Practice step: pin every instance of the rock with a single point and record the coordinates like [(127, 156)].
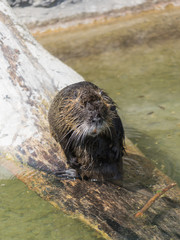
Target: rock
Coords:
[(46, 3), (39, 3), (62, 13), (20, 3)]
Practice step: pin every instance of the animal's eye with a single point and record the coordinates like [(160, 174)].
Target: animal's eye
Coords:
[(113, 108)]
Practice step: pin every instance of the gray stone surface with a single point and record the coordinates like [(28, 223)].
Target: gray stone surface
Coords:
[(40, 14), (43, 11), (50, 3), (35, 3)]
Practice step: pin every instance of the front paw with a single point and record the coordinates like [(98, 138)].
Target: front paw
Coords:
[(70, 174)]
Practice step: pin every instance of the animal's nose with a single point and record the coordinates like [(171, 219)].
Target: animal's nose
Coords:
[(97, 120)]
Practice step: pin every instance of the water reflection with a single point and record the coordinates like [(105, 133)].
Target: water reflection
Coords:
[(156, 151)]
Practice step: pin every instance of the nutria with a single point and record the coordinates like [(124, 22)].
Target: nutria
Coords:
[(84, 120)]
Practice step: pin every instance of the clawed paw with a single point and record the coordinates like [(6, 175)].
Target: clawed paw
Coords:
[(67, 174)]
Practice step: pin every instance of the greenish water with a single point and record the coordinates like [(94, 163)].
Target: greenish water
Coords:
[(24, 215), (137, 61), (145, 83)]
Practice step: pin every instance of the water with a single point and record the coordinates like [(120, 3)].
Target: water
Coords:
[(24, 215), (136, 60), (145, 83)]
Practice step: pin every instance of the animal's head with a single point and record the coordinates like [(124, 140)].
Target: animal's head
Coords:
[(89, 110)]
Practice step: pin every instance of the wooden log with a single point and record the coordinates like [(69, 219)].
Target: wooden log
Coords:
[(29, 78)]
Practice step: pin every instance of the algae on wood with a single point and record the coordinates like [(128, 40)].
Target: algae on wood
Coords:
[(30, 78)]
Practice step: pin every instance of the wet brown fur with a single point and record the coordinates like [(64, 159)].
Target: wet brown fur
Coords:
[(84, 120)]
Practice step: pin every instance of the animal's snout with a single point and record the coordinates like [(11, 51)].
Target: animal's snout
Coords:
[(97, 120)]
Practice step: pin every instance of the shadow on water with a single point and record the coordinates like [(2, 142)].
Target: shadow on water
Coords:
[(162, 159)]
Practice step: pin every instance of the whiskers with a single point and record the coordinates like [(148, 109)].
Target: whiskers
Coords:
[(77, 132), (77, 136)]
